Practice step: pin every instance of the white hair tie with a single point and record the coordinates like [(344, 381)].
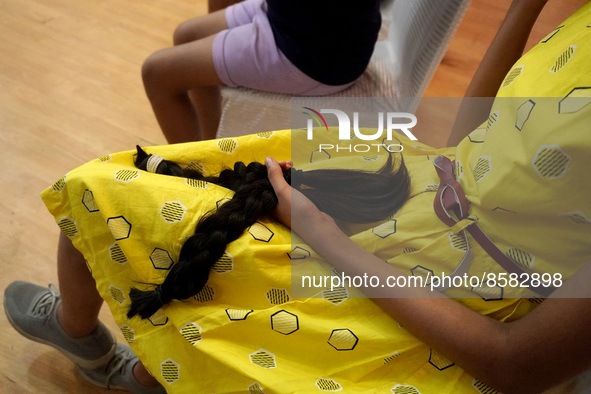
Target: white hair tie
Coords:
[(153, 163)]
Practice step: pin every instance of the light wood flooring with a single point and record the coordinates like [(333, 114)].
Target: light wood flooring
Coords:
[(71, 91)]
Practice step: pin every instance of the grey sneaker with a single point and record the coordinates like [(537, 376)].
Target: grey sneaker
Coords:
[(118, 374), (32, 311)]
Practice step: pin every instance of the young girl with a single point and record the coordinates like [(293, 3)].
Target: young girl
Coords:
[(299, 47), (524, 174)]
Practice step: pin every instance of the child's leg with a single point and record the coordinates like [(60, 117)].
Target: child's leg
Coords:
[(205, 100), (81, 302), (69, 323), (200, 27), (181, 83), (169, 75)]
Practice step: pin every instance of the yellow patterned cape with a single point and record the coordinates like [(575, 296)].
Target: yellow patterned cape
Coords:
[(525, 172)]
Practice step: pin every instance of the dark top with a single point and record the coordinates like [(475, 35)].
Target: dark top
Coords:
[(331, 41)]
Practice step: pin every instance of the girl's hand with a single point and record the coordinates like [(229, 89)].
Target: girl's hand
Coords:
[(292, 203), (282, 189)]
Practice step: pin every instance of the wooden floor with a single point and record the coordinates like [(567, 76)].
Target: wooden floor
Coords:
[(70, 91)]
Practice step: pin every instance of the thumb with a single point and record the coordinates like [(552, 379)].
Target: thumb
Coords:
[(275, 174), (282, 191)]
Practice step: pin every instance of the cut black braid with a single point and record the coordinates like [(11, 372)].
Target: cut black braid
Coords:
[(354, 196)]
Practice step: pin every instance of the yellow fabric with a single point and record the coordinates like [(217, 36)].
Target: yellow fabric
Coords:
[(246, 332)]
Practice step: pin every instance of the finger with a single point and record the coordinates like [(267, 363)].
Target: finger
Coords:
[(275, 173), (282, 190), (285, 165)]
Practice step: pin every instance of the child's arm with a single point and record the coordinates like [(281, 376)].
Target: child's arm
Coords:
[(544, 348), (506, 48)]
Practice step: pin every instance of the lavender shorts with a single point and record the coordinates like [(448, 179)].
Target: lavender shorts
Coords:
[(246, 55)]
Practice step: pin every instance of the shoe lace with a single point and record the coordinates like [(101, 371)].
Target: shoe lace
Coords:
[(117, 365), (45, 304)]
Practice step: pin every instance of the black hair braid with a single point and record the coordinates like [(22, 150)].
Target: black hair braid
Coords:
[(253, 199), (228, 178), (354, 196)]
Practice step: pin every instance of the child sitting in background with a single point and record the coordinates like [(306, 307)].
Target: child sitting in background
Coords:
[(302, 47)]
